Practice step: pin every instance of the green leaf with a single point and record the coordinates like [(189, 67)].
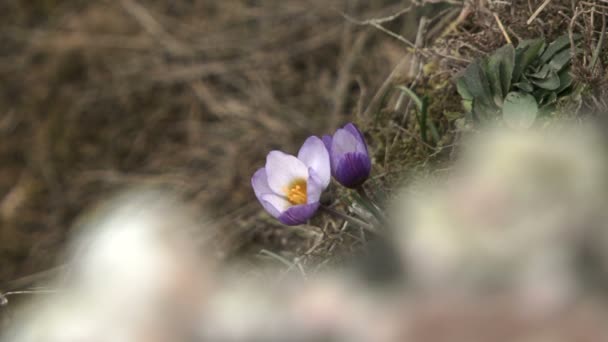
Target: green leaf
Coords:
[(525, 86), (541, 73), (467, 105), (482, 112), (527, 51), (560, 60), (551, 82), (499, 70), (492, 70), (539, 93), (506, 68), (519, 110), (462, 90), (556, 46), (467, 98), (413, 96), (477, 84), (422, 114), (422, 118), (565, 80), (548, 99)]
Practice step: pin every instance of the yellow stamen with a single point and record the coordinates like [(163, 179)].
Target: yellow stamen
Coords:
[(296, 192)]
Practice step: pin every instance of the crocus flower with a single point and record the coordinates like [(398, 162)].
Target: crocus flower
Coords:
[(290, 187), (350, 163)]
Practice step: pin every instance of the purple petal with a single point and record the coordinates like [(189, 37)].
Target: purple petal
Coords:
[(327, 141), (298, 214), (357, 133), (344, 142), (314, 155), (352, 169), (282, 170)]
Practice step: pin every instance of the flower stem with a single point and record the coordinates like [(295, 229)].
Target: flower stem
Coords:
[(371, 206), (350, 219)]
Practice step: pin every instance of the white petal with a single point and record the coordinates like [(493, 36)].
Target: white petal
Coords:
[(282, 170), (259, 182), (314, 187), (314, 154), (278, 202)]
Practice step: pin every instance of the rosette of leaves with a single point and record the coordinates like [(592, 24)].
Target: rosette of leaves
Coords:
[(517, 83)]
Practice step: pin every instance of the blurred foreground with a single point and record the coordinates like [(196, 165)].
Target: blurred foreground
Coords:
[(511, 246)]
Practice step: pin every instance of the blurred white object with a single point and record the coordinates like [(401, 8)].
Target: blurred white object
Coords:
[(134, 273), (140, 250), (510, 216)]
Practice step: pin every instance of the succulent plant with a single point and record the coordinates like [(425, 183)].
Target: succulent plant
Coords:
[(518, 83)]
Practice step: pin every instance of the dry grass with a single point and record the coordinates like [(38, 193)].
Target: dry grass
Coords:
[(98, 96)]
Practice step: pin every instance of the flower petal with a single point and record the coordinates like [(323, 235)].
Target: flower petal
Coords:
[(274, 212), (282, 170), (314, 155), (353, 169), (278, 205), (259, 182), (357, 133), (345, 141), (314, 187), (327, 141), (299, 214)]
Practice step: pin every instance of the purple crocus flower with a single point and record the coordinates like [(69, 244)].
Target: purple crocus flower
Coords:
[(350, 163), (289, 188)]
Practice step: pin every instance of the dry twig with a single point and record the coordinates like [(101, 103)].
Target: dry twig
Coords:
[(537, 12), (502, 29)]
